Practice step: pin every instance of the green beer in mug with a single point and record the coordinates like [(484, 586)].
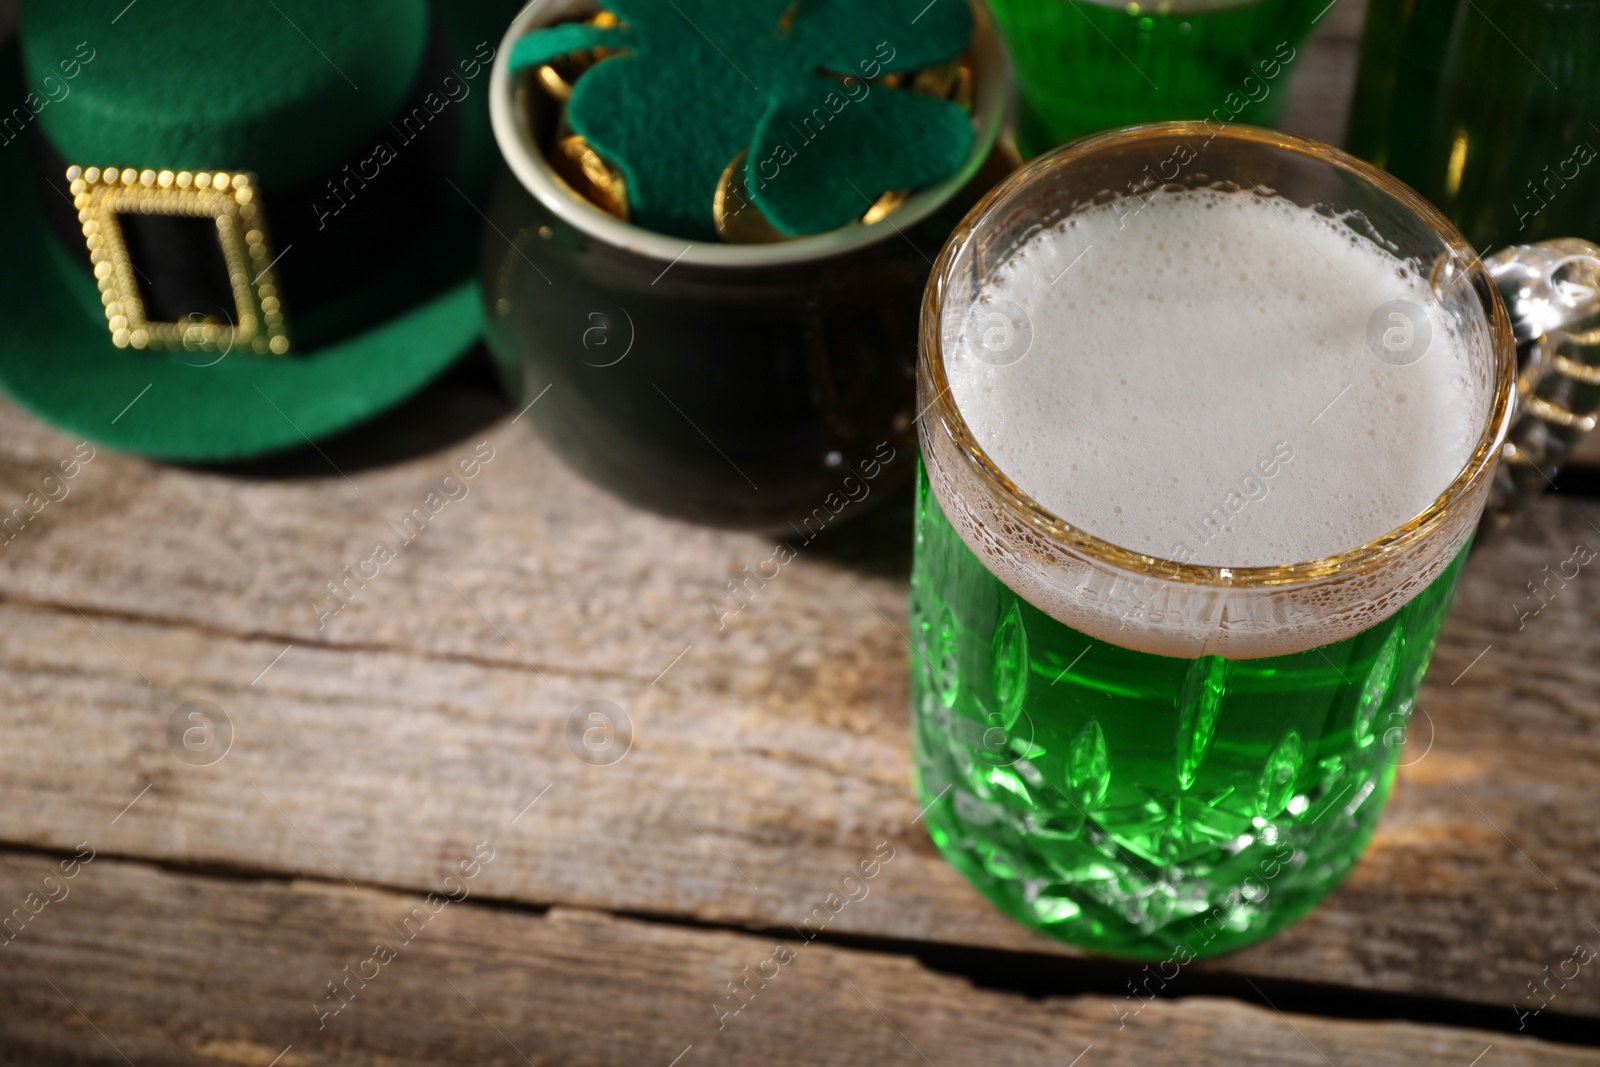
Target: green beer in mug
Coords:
[(1083, 66), (1201, 459)]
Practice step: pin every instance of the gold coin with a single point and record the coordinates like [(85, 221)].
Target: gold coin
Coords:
[(886, 203), (937, 81), (557, 76), (738, 220), (962, 93), (551, 81), (949, 81), (590, 176)]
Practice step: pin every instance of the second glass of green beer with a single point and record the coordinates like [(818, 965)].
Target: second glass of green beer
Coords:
[(1201, 457), (1083, 66)]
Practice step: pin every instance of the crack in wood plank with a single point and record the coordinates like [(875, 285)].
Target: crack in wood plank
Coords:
[(176, 969)]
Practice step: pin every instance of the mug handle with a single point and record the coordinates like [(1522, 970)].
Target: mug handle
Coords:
[(1552, 293)]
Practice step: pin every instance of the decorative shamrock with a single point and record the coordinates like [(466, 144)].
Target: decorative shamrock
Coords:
[(799, 83)]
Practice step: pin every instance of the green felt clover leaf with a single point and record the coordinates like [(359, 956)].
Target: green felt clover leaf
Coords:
[(797, 82)]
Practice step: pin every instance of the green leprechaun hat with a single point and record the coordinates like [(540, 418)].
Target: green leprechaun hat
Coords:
[(230, 229)]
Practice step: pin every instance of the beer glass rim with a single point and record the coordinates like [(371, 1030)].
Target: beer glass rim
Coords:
[(1461, 492), (991, 99)]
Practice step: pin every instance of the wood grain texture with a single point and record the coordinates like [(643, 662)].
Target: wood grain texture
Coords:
[(765, 762), (768, 756), (161, 968)]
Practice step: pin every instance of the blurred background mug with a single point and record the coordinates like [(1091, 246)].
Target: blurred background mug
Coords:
[(1084, 66), (1488, 109), (741, 385)]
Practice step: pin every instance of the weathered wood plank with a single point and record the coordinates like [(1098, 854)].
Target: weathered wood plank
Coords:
[(163, 968), (766, 761), (417, 713)]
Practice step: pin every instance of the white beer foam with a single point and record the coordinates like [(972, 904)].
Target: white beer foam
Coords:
[(1200, 386)]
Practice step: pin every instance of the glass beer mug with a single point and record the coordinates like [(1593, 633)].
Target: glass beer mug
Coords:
[(1149, 752)]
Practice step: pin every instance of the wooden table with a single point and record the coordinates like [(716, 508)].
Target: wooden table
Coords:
[(405, 772)]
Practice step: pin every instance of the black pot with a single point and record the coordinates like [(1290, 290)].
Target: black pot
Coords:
[(732, 384)]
